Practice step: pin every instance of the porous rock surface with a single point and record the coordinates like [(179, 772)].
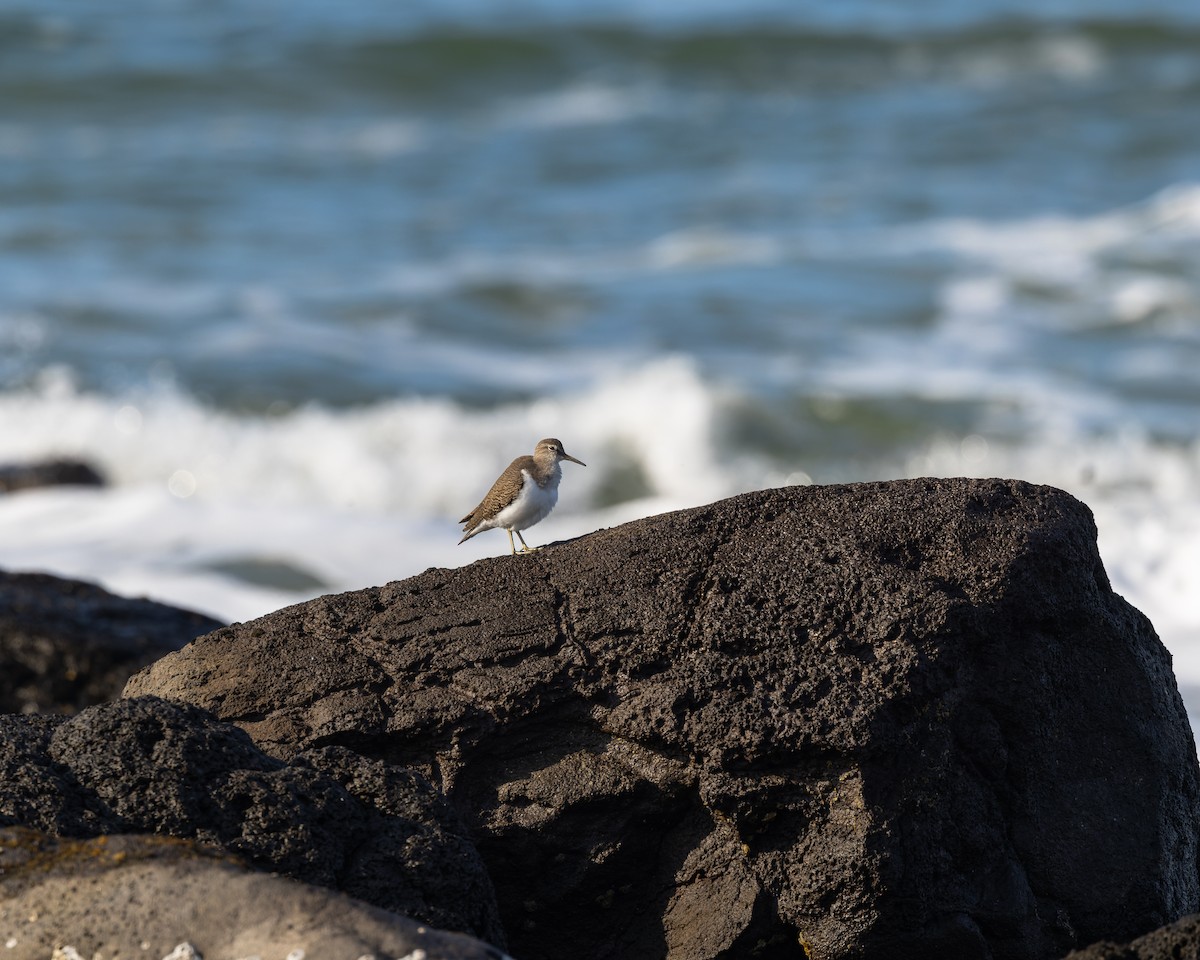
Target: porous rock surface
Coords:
[(887, 720), (328, 817), (65, 645), (1176, 941), (142, 896)]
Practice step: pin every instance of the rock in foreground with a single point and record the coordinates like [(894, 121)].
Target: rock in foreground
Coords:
[(329, 817), (65, 645), (1177, 941), (886, 720), (139, 896)]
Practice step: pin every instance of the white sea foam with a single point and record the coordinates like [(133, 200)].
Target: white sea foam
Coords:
[(702, 247), (351, 497), (371, 494), (582, 104), (1068, 57), (1041, 287), (1077, 257), (1060, 248)]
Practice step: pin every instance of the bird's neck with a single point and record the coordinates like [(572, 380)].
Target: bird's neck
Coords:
[(548, 473)]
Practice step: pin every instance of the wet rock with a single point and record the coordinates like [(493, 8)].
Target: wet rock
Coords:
[(885, 720), (369, 829), (50, 473), (65, 645), (154, 897)]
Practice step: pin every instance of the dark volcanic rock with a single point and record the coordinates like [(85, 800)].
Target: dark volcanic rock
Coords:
[(140, 896), (377, 832), (51, 473), (1178, 941), (65, 645), (886, 720)]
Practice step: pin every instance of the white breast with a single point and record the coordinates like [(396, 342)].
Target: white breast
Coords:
[(532, 504)]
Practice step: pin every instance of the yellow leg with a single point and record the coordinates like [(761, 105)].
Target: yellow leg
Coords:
[(525, 548), (511, 544)]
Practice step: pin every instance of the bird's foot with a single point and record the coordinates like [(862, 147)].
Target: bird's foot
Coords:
[(528, 549)]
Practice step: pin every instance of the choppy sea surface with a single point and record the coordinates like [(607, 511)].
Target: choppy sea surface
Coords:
[(301, 278)]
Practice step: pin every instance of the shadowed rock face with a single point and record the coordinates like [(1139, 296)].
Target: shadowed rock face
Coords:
[(891, 720), (328, 817), (65, 645)]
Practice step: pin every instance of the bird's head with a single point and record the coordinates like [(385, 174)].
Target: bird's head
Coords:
[(551, 449)]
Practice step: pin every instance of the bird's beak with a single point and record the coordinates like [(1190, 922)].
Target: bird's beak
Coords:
[(567, 456)]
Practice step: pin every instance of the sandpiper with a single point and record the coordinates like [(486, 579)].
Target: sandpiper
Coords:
[(522, 495)]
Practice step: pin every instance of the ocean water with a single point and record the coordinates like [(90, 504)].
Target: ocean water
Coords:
[(301, 278)]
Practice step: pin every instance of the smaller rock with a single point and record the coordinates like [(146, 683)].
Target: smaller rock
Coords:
[(50, 473), (1176, 941), (138, 895), (65, 644), (372, 830)]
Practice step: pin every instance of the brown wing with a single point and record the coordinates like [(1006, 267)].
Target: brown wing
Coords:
[(504, 491)]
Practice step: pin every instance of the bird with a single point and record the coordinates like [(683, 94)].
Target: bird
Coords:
[(522, 495)]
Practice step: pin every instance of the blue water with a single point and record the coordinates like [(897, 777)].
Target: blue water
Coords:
[(261, 261), (243, 191)]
